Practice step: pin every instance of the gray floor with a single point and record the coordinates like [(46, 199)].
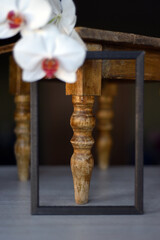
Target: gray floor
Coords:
[(114, 186)]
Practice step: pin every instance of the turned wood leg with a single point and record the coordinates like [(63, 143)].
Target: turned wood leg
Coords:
[(87, 86), (22, 131), (104, 116), (82, 122), (21, 92)]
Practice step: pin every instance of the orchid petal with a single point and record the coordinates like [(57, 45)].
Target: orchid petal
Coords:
[(65, 26), (56, 7), (35, 46), (33, 75), (69, 77), (37, 14), (69, 18), (5, 7), (48, 43), (50, 34), (76, 37), (22, 5), (6, 32), (26, 32), (71, 55), (68, 8), (29, 51)]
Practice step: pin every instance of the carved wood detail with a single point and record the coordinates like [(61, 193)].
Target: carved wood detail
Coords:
[(16, 85), (82, 122), (22, 131)]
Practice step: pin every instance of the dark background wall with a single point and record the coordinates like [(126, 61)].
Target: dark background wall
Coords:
[(128, 16), (139, 17)]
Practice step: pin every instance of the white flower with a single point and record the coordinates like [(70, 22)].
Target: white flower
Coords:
[(49, 53), (16, 15), (64, 17)]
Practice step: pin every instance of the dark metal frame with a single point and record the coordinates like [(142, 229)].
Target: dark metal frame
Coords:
[(137, 208)]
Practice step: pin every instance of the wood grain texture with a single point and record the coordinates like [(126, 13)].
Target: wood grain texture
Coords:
[(16, 85), (22, 131), (125, 69), (118, 38), (82, 123), (6, 48), (88, 77), (104, 123), (120, 69)]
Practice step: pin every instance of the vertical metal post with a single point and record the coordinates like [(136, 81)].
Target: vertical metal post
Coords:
[(139, 133), (34, 149)]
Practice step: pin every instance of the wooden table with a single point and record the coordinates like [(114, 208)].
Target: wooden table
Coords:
[(88, 85)]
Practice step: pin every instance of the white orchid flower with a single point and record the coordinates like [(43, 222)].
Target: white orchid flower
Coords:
[(64, 17), (16, 15), (49, 53)]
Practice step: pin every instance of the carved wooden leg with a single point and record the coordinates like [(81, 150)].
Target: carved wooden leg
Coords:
[(104, 117), (22, 130), (21, 91), (87, 86), (82, 122)]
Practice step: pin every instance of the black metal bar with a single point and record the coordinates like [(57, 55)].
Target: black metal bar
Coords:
[(89, 210), (93, 210), (139, 133), (34, 149), (112, 55)]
